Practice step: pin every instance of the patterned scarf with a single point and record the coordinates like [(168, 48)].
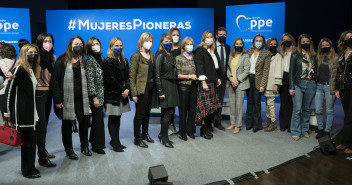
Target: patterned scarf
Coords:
[(69, 106)]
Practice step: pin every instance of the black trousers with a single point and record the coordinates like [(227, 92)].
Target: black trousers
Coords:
[(188, 105), (217, 115), (286, 105), (43, 101), (83, 121), (28, 150), (346, 100), (114, 130), (97, 131), (253, 113), (143, 107)]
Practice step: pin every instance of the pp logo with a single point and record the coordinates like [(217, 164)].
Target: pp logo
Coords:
[(252, 23)]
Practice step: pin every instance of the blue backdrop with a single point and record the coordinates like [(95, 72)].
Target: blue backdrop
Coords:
[(246, 21), (127, 24), (14, 25)]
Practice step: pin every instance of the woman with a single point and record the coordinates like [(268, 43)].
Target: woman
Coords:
[(327, 69), (209, 74), (117, 84), (272, 87), (70, 94), (187, 89), (237, 73), (142, 85), (20, 107), (258, 79), (95, 84), (344, 88), (166, 86), (43, 95), (287, 47), (303, 71)]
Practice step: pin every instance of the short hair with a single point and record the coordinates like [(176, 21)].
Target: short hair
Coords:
[(110, 52), (22, 42), (258, 35), (220, 29), (234, 45), (144, 36), (185, 42), (8, 51), (90, 43), (163, 36)]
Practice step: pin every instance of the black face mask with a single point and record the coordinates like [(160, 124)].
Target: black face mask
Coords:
[(272, 49), (32, 58), (305, 46), (222, 39), (77, 50), (287, 43), (238, 48), (348, 42), (325, 49)]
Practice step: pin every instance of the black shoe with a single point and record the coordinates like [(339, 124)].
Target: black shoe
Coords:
[(166, 143), (211, 129), (182, 137), (140, 143), (204, 134), (122, 146), (98, 151), (326, 133), (159, 136), (46, 162), (191, 135), (220, 127), (248, 128), (282, 129), (48, 155), (71, 154), (32, 176), (320, 134), (255, 130), (85, 151), (147, 138), (118, 149)]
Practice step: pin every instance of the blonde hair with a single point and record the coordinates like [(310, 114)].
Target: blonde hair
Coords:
[(23, 60), (293, 44), (110, 52), (311, 48), (202, 42), (185, 41), (332, 56), (163, 36), (233, 54), (170, 32), (144, 36)]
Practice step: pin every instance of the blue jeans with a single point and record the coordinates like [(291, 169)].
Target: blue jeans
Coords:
[(323, 91), (302, 100)]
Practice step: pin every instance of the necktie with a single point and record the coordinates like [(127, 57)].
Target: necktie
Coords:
[(222, 58)]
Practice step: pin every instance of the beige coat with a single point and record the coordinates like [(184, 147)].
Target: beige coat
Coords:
[(275, 75)]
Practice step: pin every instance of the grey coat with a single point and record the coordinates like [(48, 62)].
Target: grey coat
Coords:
[(242, 72)]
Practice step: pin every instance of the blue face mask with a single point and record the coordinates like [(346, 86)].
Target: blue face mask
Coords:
[(258, 45), (168, 46), (118, 51)]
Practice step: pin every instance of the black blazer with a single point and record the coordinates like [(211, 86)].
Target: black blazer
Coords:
[(22, 109), (57, 80), (205, 64), (227, 51), (165, 68), (296, 69)]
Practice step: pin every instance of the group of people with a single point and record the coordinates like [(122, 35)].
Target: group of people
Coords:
[(82, 80)]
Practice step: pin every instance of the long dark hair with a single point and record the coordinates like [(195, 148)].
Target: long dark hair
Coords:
[(69, 53), (46, 58), (341, 43)]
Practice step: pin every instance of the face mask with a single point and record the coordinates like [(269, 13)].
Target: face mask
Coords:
[(272, 49), (168, 46), (238, 48), (258, 45), (96, 49), (147, 45), (287, 43), (175, 39), (77, 50), (209, 41), (189, 48), (325, 49), (348, 42), (47, 46), (305, 46), (118, 51), (222, 39), (32, 58)]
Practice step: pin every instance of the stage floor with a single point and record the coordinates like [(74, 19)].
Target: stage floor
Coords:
[(192, 162)]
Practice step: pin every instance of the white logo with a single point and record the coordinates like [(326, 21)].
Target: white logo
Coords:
[(8, 26), (255, 24)]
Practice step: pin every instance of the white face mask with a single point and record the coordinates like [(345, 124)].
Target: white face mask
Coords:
[(147, 45), (175, 39), (189, 48), (96, 49)]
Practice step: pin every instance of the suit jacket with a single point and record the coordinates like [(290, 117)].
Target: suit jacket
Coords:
[(205, 64), (227, 51), (296, 69), (275, 75), (242, 71), (261, 67)]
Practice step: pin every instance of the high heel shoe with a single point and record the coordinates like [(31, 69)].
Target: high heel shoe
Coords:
[(191, 135), (204, 134), (46, 162), (85, 151), (50, 156), (147, 138), (182, 137), (140, 143), (98, 151), (71, 154), (159, 136)]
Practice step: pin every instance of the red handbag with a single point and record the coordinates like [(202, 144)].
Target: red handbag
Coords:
[(10, 135)]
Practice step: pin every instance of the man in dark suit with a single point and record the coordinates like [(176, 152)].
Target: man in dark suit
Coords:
[(223, 50)]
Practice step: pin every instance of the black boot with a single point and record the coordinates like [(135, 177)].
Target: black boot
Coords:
[(320, 134), (147, 138), (85, 151), (71, 154), (46, 162)]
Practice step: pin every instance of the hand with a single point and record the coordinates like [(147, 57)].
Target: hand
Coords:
[(205, 86), (125, 93), (275, 88), (292, 92), (193, 77), (162, 96), (135, 99), (10, 76), (236, 83), (337, 94), (261, 89), (7, 117), (96, 102), (219, 83), (60, 105), (233, 84)]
